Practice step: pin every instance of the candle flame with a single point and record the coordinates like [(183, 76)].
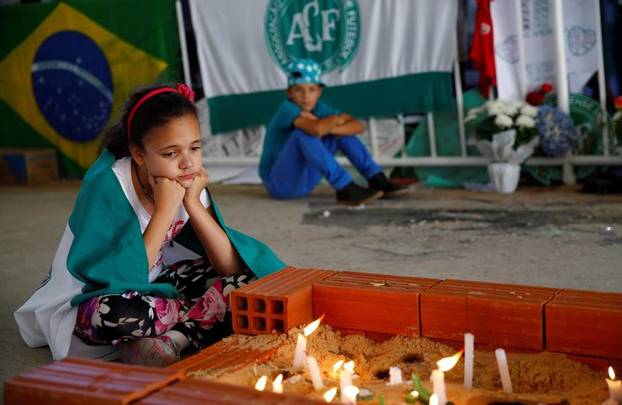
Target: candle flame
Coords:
[(330, 394), (310, 328), (447, 363), (433, 400), (261, 383), (349, 365), (612, 374), (337, 365), (277, 384), (414, 393)]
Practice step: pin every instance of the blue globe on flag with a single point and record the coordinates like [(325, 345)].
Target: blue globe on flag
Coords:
[(72, 85)]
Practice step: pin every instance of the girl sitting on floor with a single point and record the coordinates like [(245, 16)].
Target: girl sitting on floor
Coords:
[(146, 263)]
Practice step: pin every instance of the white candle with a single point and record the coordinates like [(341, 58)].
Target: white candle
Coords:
[(438, 386), (615, 386), (345, 379), (433, 400), (504, 371), (395, 375), (277, 384), (469, 354), (314, 372), (300, 353), (348, 396)]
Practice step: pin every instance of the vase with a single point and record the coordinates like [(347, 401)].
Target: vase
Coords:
[(504, 176)]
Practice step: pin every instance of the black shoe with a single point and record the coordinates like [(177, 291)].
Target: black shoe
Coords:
[(380, 182), (353, 194)]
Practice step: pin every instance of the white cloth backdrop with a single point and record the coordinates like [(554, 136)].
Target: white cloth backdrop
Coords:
[(580, 39), (398, 37)]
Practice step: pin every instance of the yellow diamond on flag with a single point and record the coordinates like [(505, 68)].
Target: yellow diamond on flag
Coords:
[(43, 75)]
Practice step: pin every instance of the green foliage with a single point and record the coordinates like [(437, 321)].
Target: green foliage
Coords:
[(424, 394)]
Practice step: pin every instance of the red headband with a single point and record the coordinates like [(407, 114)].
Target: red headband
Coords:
[(182, 89)]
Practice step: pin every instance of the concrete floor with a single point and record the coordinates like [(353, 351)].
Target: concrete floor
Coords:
[(539, 236)]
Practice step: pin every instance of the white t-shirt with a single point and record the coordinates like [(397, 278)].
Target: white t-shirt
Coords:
[(170, 252)]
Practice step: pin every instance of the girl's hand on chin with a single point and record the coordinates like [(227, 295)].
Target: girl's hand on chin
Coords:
[(167, 194), (198, 184)]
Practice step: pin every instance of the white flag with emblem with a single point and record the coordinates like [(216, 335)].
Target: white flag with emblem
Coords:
[(378, 56), (580, 26)]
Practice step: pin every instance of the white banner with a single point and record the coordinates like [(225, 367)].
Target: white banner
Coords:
[(244, 45), (580, 26)]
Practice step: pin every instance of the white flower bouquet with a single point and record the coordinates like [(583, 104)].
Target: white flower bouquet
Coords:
[(501, 115)]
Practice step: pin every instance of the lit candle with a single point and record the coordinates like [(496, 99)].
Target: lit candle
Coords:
[(330, 394), (469, 354), (438, 376), (277, 384), (504, 371), (301, 344), (349, 394), (345, 379), (615, 386), (314, 372), (300, 353), (395, 376), (438, 386), (261, 383)]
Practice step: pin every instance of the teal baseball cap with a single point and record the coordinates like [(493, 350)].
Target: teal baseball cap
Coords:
[(301, 71)]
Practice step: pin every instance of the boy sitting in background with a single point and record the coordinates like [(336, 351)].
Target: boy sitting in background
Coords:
[(302, 139)]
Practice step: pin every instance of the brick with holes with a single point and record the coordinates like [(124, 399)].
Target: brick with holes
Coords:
[(275, 303)]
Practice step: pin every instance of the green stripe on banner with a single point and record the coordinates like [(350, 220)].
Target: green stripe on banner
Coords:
[(422, 92)]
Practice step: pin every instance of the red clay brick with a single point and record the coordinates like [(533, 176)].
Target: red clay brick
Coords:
[(379, 337), (585, 323), (277, 302), (200, 392), (375, 303), (598, 363), (89, 382), (221, 355), (502, 315), (346, 332)]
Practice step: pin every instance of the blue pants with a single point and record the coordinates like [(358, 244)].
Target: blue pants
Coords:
[(305, 159)]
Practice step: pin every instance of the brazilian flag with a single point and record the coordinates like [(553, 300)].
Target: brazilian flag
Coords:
[(67, 67)]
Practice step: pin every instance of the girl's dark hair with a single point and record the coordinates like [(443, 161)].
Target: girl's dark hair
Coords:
[(157, 110)]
